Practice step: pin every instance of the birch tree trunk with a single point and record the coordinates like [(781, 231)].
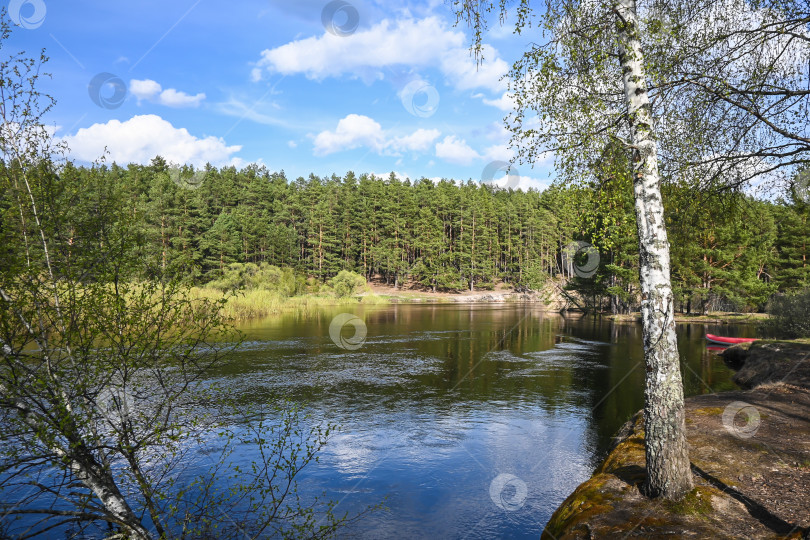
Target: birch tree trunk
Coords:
[(668, 472), (81, 462)]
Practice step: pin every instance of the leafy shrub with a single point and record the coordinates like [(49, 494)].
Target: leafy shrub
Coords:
[(789, 316), (312, 285), (347, 283), (250, 276)]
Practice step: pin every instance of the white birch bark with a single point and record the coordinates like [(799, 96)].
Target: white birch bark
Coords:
[(668, 472)]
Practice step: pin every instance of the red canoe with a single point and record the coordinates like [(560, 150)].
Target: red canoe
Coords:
[(720, 340)]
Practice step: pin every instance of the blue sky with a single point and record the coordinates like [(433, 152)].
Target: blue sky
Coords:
[(302, 85)]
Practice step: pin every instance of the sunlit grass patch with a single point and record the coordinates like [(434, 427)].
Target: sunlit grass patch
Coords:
[(257, 303)]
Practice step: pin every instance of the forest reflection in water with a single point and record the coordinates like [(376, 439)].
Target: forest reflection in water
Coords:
[(471, 420)]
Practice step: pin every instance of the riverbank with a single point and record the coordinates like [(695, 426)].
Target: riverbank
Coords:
[(714, 317), (258, 303), (750, 453), (552, 297), (465, 297)]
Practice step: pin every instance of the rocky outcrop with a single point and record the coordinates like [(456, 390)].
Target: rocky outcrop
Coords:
[(750, 454), (765, 362)]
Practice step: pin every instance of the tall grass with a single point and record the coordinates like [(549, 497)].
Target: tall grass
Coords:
[(256, 303)]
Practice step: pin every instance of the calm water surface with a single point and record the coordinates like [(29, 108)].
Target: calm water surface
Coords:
[(469, 421)]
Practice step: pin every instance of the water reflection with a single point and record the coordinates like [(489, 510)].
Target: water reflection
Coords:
[(442, 400)]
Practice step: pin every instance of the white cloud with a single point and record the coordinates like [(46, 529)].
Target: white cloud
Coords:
[(505, 103), (174, 98), (409, 42), (499, 152), (143, 137), (415, 43), (27, 139), (496, 131), (456, 150), (150, 90), (514, 181), (146, 89), (460, 69), (356, 130), (418, 141), (352, 131), (242, 109)]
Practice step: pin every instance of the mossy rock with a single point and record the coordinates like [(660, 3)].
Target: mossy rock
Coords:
[(696, 502), (709, 411), (587, 501), (730, 495)]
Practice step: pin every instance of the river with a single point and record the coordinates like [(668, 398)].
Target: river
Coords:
[(465, 420)]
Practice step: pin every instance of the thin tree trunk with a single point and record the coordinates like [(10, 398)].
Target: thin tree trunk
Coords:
[(668, 472), (87, 470)]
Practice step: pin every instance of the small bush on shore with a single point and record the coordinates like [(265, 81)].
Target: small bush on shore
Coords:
[(789, 316), (264, 277), (258, 290), (347, 283)]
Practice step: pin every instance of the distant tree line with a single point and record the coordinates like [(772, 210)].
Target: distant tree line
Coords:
[(729, 250)]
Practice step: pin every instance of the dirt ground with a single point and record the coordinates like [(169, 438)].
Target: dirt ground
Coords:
[(411, 289), (548, 299)]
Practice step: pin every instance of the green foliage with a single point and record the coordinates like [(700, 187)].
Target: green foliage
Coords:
[(99, 365), (105, 357), (722, 105), (532, 277), (710, 139), (792, 243), (254, 230), (722, 250), (445, 236), (262, 276), (347, 283), (789, 316)]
